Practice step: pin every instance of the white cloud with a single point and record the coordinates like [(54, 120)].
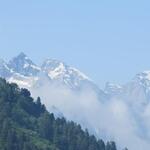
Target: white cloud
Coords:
[(110, 120)]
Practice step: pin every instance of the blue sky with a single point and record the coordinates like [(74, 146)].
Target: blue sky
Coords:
[(108, 40)]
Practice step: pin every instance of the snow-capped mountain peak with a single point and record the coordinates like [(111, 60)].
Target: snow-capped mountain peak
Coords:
[(24, 72), (50, 64), (23, 65), (143, 80), (54, 68), (145, 75), (57, 70)]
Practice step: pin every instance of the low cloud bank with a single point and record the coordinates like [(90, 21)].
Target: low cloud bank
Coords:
[(110, 120)]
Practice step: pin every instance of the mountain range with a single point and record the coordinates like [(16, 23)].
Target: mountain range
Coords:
[(68, 92), (25, 73)]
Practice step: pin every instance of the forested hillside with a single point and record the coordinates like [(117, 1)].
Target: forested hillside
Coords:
[(26, 125)]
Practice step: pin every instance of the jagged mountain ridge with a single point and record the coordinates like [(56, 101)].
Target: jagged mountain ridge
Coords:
[(135, 93), (23, 65), (24, 72)]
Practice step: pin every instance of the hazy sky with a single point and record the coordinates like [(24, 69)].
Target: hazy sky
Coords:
[(109, 40)]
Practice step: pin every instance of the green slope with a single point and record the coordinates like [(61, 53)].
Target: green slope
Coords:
[(27, 125)]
